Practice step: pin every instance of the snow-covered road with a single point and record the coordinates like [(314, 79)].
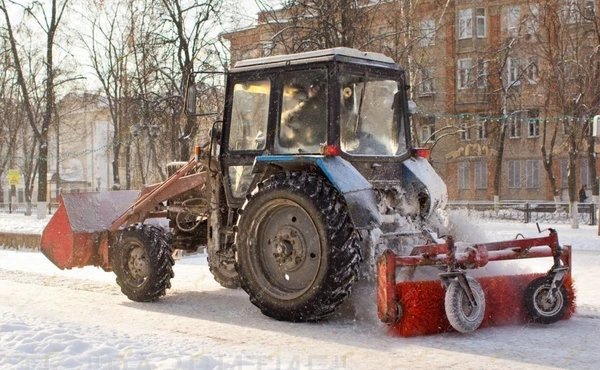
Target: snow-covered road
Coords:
[(79, 319)]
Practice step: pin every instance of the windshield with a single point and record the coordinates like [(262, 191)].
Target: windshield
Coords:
[(369, 116)]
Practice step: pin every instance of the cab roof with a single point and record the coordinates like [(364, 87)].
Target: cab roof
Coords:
[(334, 54)]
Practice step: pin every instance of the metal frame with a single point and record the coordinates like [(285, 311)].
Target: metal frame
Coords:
[(477, 255)]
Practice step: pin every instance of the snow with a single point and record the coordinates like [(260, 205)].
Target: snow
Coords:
[(78, 319), (19, 223)]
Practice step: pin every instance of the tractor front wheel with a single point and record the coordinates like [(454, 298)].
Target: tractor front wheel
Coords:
[(462, 314), (143, 263), (221, 265), (541, 307), (297, 251)]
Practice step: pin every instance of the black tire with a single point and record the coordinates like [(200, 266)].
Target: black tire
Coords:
[(143, 263), (297, 251), (538, 307), (462, 315), (223, 272)]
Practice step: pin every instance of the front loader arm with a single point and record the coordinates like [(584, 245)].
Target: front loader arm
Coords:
[(152, 195)]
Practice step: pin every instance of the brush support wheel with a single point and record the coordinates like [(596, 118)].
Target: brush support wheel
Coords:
[(462, 314), (542, 308)]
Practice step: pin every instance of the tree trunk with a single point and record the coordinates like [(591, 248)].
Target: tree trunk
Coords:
[(128, 165), (499, 158), (572, 180)]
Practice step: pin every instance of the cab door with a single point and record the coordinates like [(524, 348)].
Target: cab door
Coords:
[(247, 120)]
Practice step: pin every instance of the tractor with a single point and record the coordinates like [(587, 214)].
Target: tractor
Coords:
[(309, 174)]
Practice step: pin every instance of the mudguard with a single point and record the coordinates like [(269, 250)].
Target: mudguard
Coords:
[(357, 191), (419, 175)]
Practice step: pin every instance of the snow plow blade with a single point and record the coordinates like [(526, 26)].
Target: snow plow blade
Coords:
[(461, 303), (81, 222)]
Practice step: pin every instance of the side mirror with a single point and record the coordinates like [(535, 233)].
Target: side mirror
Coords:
[(190, 101), (215, 132), (215, 139), (202, 93)]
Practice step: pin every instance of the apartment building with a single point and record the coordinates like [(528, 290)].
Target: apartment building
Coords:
[(511, 79)]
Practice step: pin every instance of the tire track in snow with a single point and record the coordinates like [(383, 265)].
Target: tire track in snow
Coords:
[(59, 281)]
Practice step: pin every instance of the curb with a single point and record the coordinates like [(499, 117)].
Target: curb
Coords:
[(17, 240)]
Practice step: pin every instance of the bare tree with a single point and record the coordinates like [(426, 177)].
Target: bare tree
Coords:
[(188, 30), (409, 35), (303, 25), (9, 122), (505, 85), (48, 21), (108, 50), (566, 48)]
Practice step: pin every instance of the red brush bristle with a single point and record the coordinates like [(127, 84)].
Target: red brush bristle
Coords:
[(423, 311), (504, 299), (572, 292)]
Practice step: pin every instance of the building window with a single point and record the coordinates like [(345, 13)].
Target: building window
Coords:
[(250, 53), (481, 175), (589, 10), (533, 124), (481, 74), (570, 11), (427, 129), (564, 173), (531, 71), (533, 127), (427, 32), (387, 38), (464, 73), (426, 82), (464, 175), (481, 23), (482, 132), (532, 22), (267, 48), (513, 20), (585, 172), (464, 132), (465, 24), (513, 67), (532, 174), (514, 174), (514, 127)]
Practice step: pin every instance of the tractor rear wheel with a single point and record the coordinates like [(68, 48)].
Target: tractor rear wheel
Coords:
[(297, 251), (143, 263), (540, 307)]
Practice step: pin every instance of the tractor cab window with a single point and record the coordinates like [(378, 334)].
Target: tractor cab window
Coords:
[(303, 120), (369, 116), (249, 114)]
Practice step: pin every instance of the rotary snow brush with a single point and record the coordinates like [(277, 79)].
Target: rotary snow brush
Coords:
[(464, 304)]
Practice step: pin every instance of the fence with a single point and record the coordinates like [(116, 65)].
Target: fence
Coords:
[(21, 208), (528, 212), (513, 211)]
